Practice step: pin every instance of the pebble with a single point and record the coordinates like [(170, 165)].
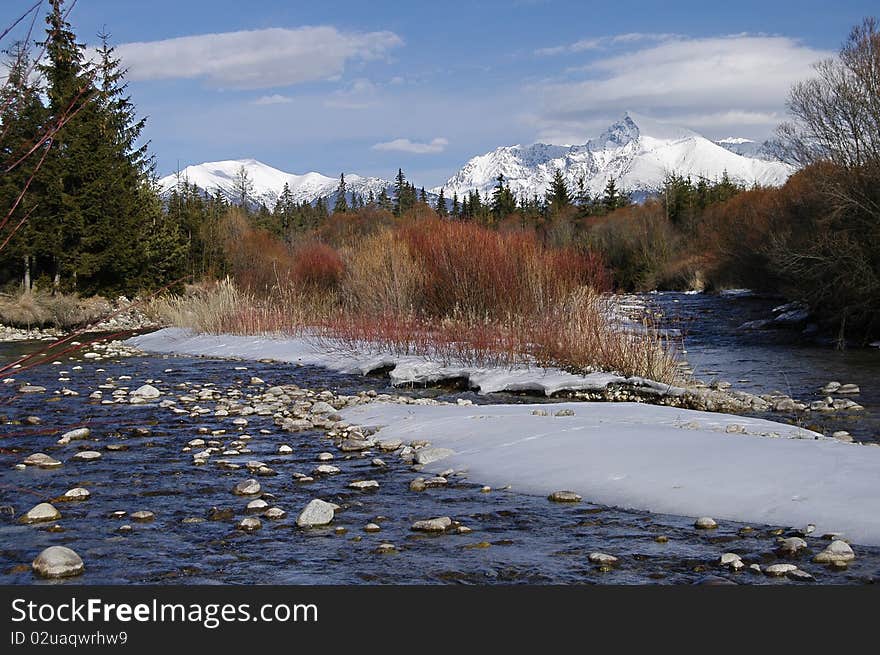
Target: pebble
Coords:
[(418, 485), (371, 527), (779, 570), (325, 457), (792, 545), (325, 469), (41, 460), (849, 388), (274, 514), (72, 435), (249, 524), (77, 493), (316, 513), (58, 562), (87, 456), (432, 525), (384, 549), (564, 412), (603, 558), (564, 497), (837, 552), (378, 462), (147, 392), (257, 505), (246, 488), (220, 513), (284, 449), (40, 514), (705, 523), (729, 558), (143, 516), (389, 444), (362, 485)]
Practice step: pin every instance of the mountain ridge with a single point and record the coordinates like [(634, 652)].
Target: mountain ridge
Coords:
[(637, 151)]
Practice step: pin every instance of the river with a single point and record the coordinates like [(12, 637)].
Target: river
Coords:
[(513, 538)]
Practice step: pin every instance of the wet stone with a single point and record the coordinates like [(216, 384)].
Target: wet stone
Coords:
[(564, 497), (439, 524), (143, 516), (58, 562), (40, 514), (87, 456), (316, 513), (249, 524), (246, 488), (837, 552), (705, 523)]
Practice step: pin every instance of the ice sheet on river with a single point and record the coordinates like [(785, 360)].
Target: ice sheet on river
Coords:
[(660, 459), (406, 369)]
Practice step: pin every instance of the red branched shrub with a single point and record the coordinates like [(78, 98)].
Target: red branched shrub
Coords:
[(475, 270), (317, 265)]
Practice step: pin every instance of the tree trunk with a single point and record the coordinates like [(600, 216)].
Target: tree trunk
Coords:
[(27, 273)]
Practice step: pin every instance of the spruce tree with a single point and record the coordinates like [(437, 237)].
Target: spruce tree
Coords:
[(441, 204), (341, 204), (558, 197), (456, 207)]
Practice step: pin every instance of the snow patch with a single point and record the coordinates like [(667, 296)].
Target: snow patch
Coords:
[(654, 458)]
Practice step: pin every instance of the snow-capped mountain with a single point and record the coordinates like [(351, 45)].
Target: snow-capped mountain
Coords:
[(748, 148), (636, 151), (268, 183)]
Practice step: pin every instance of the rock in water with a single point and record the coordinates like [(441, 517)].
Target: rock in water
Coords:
[(603, 558), (317, 512), (249, 524), (41, 513), (837, 552), (779, 570), (705, 523), (77, 493), (432, 525), (564, 497), (147, 392), (246, 488), (58, 562), (791, 545), (73, 435)]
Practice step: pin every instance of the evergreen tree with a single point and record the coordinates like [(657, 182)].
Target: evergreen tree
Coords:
[(400, 192), (384, 201), (503, 201), (441, 204), (456, 208), (341, 205), (242, 188), (423, 197), (558, 197)]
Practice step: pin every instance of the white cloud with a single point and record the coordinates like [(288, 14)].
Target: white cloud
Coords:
[(274, 99), (256, 59), (405, 145), (600, 42), (722, 82)]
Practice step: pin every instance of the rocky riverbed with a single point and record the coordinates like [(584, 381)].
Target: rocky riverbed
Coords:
[(181, 470)]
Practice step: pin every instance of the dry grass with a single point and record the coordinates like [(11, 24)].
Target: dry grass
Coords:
[(457, 293), (44, 310)]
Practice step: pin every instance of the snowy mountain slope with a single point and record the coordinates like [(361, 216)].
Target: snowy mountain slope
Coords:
[(748, 148), (636, 151), (269, 182)]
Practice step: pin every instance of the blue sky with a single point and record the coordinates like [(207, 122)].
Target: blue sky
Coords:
[(370, 86)]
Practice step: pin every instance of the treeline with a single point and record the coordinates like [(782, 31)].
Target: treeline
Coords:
[(90, 220)]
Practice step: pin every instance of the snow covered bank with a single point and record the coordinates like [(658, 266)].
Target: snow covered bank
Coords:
[(409, 369), (660, 459)]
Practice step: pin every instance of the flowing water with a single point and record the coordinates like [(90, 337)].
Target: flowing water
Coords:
[(514, 539)]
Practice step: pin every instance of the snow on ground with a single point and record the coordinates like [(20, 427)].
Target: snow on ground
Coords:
[(408, 369), (660, 459)]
